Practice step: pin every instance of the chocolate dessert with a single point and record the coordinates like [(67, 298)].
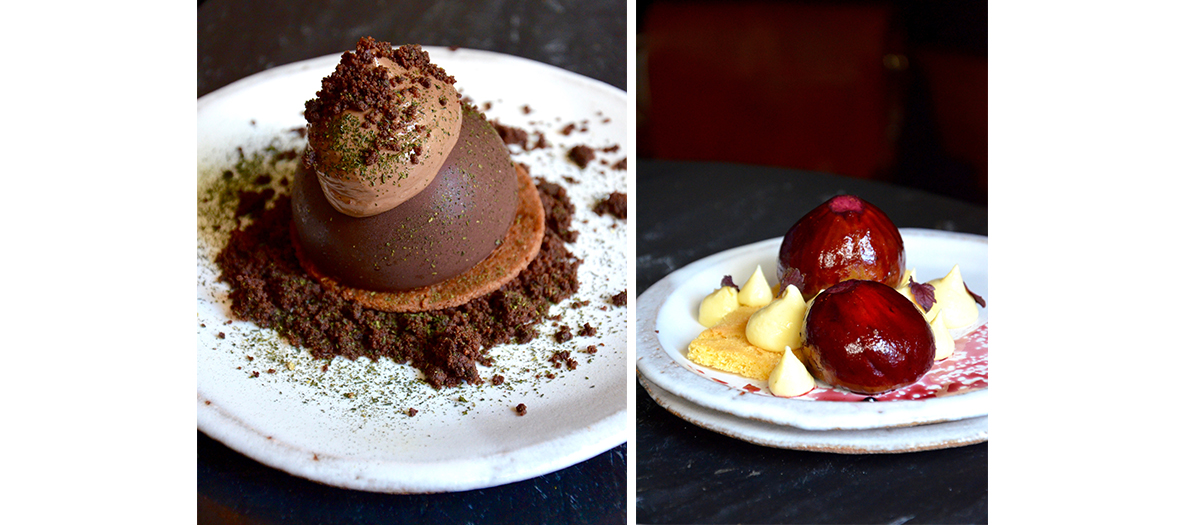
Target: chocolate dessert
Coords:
[(372, 255), (408, 200)]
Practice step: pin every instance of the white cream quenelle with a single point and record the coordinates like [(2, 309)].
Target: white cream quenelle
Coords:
[(368, 162)]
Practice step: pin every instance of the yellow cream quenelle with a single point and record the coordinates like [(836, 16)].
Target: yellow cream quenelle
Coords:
[(951, 298), (717, 305), (756, 291), (778, 326), (790, 378), (944, 344)]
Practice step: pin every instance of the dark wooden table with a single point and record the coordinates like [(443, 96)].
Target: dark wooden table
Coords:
[(686, 474), (237, 39)]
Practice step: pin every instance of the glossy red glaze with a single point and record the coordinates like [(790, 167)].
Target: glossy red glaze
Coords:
[(844, 238), (867, 337)]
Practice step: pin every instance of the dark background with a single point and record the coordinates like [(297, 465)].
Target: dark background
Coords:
[(892, 91), (238, 39)]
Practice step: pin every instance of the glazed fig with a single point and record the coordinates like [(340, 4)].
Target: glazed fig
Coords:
[(866, 337), (844, 238)]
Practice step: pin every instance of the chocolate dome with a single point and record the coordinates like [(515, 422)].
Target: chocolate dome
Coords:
[(457, 221)]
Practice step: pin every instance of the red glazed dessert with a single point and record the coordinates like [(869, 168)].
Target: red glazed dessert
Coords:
[(844, 238), (867, 337)]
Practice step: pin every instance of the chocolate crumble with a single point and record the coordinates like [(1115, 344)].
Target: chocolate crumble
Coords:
[(562, 357), (522, 409), (581, 155), (270, 288), (587, 331), (614, 204), (559, 212), (511, 135), (619, 299), (563, 334), (357, 86)]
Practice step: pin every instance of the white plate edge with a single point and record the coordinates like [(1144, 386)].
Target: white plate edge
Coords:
[(653, 362)]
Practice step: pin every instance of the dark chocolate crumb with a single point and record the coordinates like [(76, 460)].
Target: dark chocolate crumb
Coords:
[(221, 335), (251, 203), (619, 299), (581, 155), (522, 409), (511, 135), (614, 204), (562, 357), (497, 380), (587, 331), (620, 165), (563, 334), (569, 128), (412, 412), (559, 212)]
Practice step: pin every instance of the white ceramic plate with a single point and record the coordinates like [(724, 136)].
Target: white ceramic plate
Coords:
[(955, 389), (349, 426), (870, 441)]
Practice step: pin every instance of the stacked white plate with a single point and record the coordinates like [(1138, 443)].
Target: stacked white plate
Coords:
[(947, 408)]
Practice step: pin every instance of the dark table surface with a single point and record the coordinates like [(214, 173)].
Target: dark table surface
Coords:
[(686, 474), (238, 39)]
